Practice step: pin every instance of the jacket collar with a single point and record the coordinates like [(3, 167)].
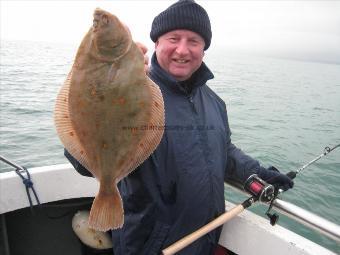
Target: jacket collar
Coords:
[(198, 79)]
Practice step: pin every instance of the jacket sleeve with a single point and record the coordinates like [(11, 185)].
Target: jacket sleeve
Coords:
[(79, 168), (239, 165)]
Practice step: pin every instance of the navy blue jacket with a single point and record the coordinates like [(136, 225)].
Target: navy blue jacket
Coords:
[(180, 187)]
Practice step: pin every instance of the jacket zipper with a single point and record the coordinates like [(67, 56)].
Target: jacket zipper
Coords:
[(211, 187)]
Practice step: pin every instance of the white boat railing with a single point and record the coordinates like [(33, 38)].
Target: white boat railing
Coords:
[(303, 216), (309, 219)]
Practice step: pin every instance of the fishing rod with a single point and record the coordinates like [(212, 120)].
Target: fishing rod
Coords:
[(260, 191), (273, 217), (327, 150)]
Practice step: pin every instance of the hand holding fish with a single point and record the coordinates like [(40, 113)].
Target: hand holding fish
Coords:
[(144, 50)]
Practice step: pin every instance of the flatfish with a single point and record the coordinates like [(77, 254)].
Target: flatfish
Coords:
[(109, 115)]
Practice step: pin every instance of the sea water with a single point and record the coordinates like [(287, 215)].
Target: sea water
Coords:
[(282, 112)]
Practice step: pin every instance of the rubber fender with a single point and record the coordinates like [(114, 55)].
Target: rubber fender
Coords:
[(92, 238)]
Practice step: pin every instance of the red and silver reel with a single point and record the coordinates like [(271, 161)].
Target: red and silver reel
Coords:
[(260, 190)]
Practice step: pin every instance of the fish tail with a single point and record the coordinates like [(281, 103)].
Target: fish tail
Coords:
[(107, 211)]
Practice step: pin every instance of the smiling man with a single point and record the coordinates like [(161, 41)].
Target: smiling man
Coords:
[(180, 187), (180, 53)]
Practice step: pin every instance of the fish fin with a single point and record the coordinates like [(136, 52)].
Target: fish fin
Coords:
[(151, 138), (107, 211), (64, 127), (157, 115)]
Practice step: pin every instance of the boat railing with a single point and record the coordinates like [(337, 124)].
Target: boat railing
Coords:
[(301, 215)]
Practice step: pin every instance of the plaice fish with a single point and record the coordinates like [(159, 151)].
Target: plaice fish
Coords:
[(104, 110)]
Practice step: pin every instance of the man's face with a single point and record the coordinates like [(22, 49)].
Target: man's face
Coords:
[(180, 53)]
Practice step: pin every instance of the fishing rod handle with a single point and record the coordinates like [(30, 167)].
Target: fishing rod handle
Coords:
[(219, 221)]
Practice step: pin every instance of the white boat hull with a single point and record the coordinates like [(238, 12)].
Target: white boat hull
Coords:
[(245, 234)]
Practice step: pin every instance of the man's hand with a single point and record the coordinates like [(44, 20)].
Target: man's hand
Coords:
[(274, 177), (144, 50)]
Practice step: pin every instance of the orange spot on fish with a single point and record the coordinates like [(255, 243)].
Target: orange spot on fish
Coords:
[(156, 104), (71, 133), (104, 146), (141, 145), (65, 117), (81, 103), (120, 163), (121, 101), (142, 104), (81, 152), (93, 92), (133, 131)]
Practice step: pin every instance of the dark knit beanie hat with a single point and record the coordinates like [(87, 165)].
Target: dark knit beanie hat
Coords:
[(184, 14)]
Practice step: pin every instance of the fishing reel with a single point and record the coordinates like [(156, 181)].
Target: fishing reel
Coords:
[(262, 192)]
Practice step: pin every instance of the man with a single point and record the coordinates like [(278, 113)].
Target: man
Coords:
[(180, 187)]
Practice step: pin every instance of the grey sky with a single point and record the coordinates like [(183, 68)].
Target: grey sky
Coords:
[(300, 29)]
